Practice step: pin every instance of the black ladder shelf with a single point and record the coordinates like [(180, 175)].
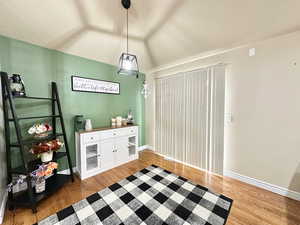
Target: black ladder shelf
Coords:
[(29, 198)]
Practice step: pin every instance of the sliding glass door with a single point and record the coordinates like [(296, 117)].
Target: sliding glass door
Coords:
[(190, 117)]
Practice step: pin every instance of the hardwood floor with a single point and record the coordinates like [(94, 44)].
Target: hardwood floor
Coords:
[(251, 205)]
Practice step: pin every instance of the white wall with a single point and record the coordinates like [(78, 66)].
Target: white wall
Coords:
[(263, 95)]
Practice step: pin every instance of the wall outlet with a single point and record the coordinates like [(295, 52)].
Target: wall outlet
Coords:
[(252, 52)]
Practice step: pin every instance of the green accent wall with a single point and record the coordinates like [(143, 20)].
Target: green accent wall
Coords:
[(39, 66)]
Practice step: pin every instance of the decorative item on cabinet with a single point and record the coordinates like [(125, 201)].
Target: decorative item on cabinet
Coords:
[(17, 85), (119, 121), (130, 118), (113, 122), (105, 148), (88, 125), (78, 123)]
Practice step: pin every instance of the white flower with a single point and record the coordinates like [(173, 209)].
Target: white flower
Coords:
[(32, 130), (37, 129)]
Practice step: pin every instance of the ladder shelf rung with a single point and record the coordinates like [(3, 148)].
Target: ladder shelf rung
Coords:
[(34, 117), (32, 97), (32, 165), (36, 140)]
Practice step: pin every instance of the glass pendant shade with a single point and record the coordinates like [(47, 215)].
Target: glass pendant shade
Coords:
[(128, 65), (145, 90)]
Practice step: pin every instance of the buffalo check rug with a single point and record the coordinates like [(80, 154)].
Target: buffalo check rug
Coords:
[(150, 196)]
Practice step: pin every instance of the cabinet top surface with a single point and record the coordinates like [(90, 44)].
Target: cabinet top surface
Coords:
[(105, 128)]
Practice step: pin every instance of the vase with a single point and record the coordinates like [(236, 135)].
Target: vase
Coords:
[(88, 125), (40, 185), (47, 156)]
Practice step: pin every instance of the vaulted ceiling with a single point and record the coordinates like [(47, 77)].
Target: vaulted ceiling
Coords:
[(160, 31)]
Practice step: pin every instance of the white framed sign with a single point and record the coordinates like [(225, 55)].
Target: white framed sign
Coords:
[(95, 86)]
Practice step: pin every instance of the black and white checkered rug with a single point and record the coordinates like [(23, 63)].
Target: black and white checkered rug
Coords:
[(151, 196)]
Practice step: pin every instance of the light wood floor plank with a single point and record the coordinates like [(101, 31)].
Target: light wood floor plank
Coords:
[(252, 205)]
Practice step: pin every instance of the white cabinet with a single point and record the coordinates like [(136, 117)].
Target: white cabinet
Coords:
[(92, 156), (107, 149), (100, 150), (121, 153)]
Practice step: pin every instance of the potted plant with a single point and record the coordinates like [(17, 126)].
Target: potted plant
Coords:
[(40, 130), (45, 149), (39, 177)]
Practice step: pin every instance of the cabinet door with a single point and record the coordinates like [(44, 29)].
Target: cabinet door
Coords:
[(107, 154), (91, 154), (121, 153)]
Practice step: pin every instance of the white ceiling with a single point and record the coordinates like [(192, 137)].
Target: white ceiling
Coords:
[(161, 31)]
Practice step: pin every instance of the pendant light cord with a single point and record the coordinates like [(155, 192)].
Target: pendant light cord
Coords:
[(127, 31)]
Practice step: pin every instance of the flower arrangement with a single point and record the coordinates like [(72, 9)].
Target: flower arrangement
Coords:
[(44, 170), (40, 129), (45, 149), (38, 176)]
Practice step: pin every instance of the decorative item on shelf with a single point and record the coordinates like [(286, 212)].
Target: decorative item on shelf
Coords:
[(45, 150), (113, 122), (40, 185), (130, 118), (17, 85), (39, 177), (119, 121), (88, 125), (146, 90), (17, 184), (40, 130), (79, 122), (128, 64)]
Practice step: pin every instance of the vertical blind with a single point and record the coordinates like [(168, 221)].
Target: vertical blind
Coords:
[(190, 117)]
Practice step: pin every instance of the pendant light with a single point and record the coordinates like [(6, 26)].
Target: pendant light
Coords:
[(128, 64), (145, 90)]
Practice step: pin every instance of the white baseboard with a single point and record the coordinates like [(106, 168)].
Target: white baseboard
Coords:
[(144, 147), (3, 206), (262, 184), (151, 147), (67, 171), (187, 164)]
